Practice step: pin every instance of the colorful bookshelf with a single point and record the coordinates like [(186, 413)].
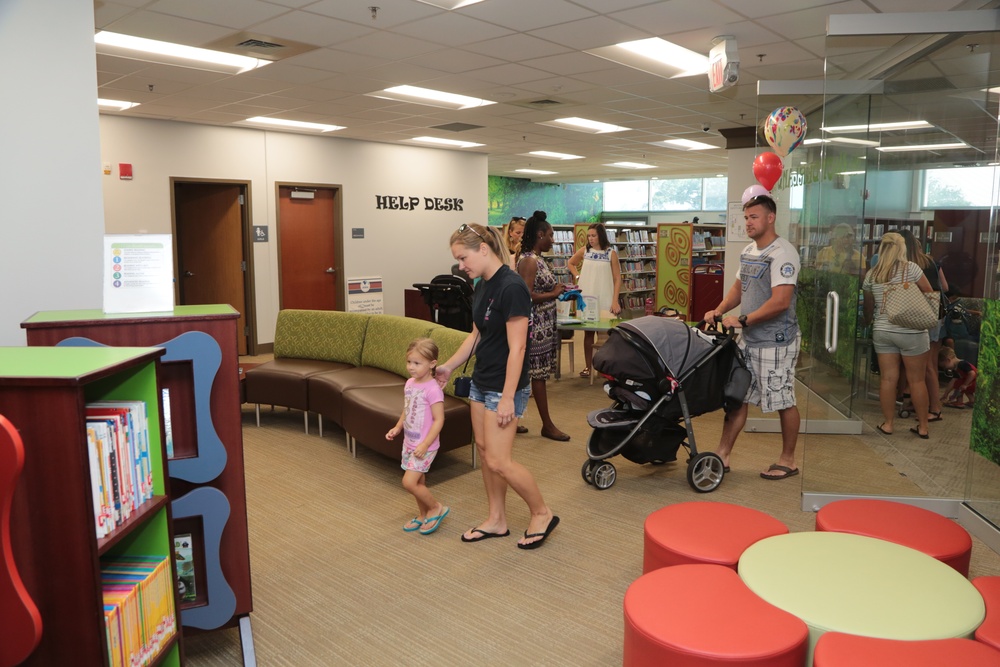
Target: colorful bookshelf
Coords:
[(44, 393)]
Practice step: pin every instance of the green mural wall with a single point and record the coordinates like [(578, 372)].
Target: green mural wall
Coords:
[(986, 413), (564, 204)]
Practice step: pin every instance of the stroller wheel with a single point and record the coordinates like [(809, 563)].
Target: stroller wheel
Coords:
[(586, 471), (603, 475), (904, 413), (705, 471)]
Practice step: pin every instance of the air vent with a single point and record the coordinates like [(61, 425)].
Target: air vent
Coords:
[(456, 127), (543, 103), (259, 44)]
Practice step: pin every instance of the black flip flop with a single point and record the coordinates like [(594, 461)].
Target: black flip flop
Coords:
[(925, 436), (483, 535), (882, 430), (537, 543)]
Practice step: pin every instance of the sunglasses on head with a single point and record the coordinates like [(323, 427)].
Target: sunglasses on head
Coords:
[(463, 227)]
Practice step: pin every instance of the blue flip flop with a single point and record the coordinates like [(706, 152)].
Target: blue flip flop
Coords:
[(415, 520), (436, 520)]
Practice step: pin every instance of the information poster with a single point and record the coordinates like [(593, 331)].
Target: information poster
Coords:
[(138, 273), (736, 224), (364, 295)]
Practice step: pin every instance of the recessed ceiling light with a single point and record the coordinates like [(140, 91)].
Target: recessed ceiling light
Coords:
[(923, 147), (853, 142), (656, 56), (631, 165), (584, 125), (117, 105), (850, 173), (294, 124), (151, 50), (535, 171), (429, 97), (555, 156), (450, 4), (878, 127), (446, 142), (685, 144), (813, 142)]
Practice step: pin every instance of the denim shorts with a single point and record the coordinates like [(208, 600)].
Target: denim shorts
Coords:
[(903, 344), (492, 399)]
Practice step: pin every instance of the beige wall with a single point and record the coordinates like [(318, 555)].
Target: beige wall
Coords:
[(403, 247)]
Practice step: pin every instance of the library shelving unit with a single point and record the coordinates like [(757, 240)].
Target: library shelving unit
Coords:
[(43, 393), (563, 248), (689, 260), (200, 372), (874, 228)]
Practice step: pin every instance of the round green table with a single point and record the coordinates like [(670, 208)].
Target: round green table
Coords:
[(862, 586)]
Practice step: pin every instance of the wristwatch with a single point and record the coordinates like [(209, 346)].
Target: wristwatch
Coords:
[(742, 319)]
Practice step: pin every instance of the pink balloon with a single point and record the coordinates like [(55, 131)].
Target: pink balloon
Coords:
[(755, 190)]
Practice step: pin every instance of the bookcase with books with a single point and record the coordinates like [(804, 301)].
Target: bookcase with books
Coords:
[(199, 380), (563, 247), (90, 518), (636, 248)]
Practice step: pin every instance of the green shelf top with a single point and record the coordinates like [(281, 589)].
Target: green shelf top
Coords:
[(67, 363), (95, 315)]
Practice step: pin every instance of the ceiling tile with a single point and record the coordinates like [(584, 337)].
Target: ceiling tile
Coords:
[(592, 33), (232, 14), (167, 28), (527, 15), (454, 61), (452, 29), (676, 16), (391, 13), (311, 29)]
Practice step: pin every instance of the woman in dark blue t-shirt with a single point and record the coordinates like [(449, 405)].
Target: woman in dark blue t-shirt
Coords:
[(500, 312)]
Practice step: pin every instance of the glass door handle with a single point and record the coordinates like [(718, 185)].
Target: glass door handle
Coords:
[(331, 270), (832, 321)]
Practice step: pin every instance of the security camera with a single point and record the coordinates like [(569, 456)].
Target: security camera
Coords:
[(705, 127)]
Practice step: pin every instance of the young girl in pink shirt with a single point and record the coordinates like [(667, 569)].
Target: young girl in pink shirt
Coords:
[(421, 423)]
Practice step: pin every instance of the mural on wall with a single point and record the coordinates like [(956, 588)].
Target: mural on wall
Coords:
[(986, 412), (565, 204)]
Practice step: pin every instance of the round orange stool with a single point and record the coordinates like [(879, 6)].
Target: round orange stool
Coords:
[(989, 631), (836, 649), (907, 525), (700, 615), (703, 532)]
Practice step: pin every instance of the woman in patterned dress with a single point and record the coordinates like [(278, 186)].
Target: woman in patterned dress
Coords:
[(543, 340)]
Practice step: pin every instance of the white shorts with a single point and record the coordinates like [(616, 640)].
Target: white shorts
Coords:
[(773, 370)]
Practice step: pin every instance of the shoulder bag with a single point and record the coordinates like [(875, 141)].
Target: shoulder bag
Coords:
[(906, 306)]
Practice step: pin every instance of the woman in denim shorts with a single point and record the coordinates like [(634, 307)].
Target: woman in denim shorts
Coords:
[(499, 395), (892, 341)]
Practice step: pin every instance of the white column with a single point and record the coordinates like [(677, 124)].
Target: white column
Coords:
[(51, 210)]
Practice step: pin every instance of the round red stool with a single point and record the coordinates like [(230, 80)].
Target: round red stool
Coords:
[(836, 649), (703, 532), (989, 631), (907, 525), (699, 615)]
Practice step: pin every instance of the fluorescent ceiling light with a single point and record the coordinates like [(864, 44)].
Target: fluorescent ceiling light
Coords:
[(535, 171), (584, 125), (555, 156), (813, 142), (853, 142), (923, 147), (151, 50), (117, 105), (296, 124), (656, 56), (685, 144), (433, 98), (450, 4), (446, 142), (631, 165), (850, 173), (878, 127)]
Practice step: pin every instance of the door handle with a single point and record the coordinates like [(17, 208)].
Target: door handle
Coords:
[(331, 270), (832, 321), (188, 274)]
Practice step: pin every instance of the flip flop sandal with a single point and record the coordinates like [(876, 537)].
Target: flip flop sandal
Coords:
[(585, 373), (415, 520), (436, 520), (935, 418)]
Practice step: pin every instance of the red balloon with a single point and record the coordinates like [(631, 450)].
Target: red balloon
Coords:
[(767, 168)]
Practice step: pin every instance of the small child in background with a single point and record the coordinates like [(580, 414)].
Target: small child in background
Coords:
[(421, 423), (964, 385)]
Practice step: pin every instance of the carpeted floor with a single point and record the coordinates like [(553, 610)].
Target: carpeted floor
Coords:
[(337, 582)]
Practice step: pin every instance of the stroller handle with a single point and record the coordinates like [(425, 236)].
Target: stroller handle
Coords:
[(730, 332)]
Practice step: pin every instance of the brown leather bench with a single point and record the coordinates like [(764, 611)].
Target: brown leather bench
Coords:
[(350, 368)]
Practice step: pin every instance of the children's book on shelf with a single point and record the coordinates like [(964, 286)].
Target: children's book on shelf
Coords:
[(168, 433), (139, 612), (184, 560)]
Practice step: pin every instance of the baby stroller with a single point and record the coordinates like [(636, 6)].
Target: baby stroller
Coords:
[(450, 300), (659, 372)]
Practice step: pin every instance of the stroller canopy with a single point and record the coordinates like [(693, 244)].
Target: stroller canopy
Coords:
[(679, 346)]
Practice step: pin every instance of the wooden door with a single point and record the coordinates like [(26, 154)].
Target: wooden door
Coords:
[(307, 230), (211, 259)]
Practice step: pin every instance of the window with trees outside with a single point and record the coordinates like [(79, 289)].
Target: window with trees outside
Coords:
[(968, 187), (669, 194)]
